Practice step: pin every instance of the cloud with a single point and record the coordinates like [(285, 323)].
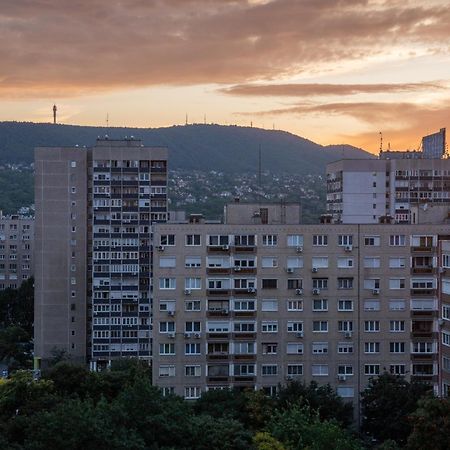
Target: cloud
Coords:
[(72, 47), (323, 89)]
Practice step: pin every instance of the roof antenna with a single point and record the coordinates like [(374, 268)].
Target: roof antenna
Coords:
[(186, 119), (107, 120), (381, 142), (54, 113)]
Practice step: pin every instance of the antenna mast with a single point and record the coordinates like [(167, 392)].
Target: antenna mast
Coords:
[(54, 113), (381, 142)]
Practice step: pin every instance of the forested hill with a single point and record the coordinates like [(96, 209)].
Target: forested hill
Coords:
[(202, 147)]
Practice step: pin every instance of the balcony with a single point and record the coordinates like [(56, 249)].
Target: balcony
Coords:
[(218, 336), (244, 335), (422, 249), (218, 292), (218, 356), (244, 248), (423, 292), (238, 314), (422, 270), (218, 249), (245, 356), (218, 312), (218, 270), (244, 292)]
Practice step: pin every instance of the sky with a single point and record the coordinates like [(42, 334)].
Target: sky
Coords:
[(333, 71)]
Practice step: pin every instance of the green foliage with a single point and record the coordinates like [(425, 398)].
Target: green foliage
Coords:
[(322, 399), (300, 428), (386, 404), (16, 188), (15, 348), (265, 441), (431, 425)]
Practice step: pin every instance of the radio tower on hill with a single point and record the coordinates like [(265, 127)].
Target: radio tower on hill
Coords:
[(54, 113)]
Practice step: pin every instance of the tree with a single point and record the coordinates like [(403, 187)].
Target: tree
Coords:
[(265, 441), (299, 428), (386, 404), (431, 425), (322, 399), (15, 348)]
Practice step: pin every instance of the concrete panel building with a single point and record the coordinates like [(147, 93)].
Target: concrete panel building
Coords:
[(253, 306), (94, 210)]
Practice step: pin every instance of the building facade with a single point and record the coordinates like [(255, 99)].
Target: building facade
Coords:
[(94, 213), (409, 190), (255, 306), (16, 250)]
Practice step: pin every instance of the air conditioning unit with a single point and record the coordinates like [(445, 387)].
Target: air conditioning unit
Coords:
[(187, 292), (171, 313), (442, 269), (299, 249), (342, 377), (375, 291), (160, 248), (224, 310), (289, 270), (348, 248), (316, 291), (299, 291), (300, 334), (171, 335), (237, 268), (348, 334), (314, 270), (225, 247), (251, 290), (187, 335), (197, 335), (289, 377)]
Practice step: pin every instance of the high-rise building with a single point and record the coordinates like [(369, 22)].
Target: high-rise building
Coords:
[(94, 213), (407, 190), (253, 304), (16, 249)]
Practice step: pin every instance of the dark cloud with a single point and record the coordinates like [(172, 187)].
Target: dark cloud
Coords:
[(70, 47)]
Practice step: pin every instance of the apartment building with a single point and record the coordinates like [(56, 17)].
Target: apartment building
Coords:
[(407, 189), (255, 305), (94, 213), (16, 249)]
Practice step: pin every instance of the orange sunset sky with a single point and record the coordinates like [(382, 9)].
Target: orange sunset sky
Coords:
[(333, 71)]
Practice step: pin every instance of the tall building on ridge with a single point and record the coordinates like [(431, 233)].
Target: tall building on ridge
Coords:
[(94, 213), (254, 304), (434, 145), (407, 190)]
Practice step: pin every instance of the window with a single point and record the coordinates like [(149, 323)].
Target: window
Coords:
[(269, 349), (192, 349), (294, 283), (245, 240), (345, 240), (295, 240), (244, 327), (167, 239), (345, 370), (345, 305), (397, 240), (269, 369), (320, 305), (371, 326), (371, 305), (345, 283), (372, 241), (269, 283), (269, 305), (320, 326), (244, 305), (397, 326), (319, 370), (446, 338), (372, 283), (167, 371), (192, 283), (320, 240), (320, 262), (192, 371), (244, 370), (371, 369), (193, 239), (294, 326), (344, 263), (396, 283), (294, 262), (422, 347), (269, 240), (446, 312), (192, 392), (345, 325), (192, 327), (244, 348), (295, 369), (167, 349), (320, 283), (167, 305), (167, 283), (345, 391), (423, 283), (269, 326), (218, 240), (319, 348), (166, 327), (295, 305), (193, 261), (397, 369), (397, 262), (345, 348), (269, 262), (371, 347), (371, 262), (396, 347), (294, 348), (397, 305)]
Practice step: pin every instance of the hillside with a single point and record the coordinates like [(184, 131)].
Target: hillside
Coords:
[(201, 147)]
